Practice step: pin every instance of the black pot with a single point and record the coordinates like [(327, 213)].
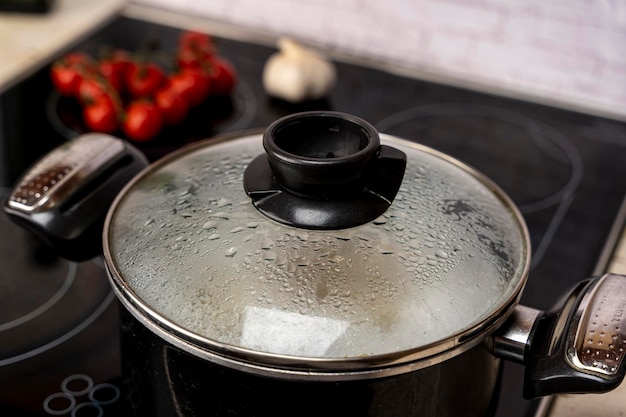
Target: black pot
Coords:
[(338, 273)]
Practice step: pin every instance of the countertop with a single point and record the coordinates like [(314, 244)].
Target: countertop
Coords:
[(27, 42)]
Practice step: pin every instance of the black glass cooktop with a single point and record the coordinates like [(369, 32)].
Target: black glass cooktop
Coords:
[(59, 351)]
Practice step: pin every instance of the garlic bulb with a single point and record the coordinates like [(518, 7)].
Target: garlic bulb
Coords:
[(297, 74)]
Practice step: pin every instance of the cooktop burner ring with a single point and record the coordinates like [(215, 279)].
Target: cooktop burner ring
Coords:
[(34, 313), (49, 303)]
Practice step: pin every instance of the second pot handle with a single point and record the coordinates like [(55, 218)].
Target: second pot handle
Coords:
[(576, 346), (64, 197)]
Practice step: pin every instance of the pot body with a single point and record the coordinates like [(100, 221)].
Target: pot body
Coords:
[(163, 380)]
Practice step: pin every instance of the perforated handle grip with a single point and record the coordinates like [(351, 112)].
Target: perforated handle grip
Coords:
[(579, 345), (597, 345), (63, 198)]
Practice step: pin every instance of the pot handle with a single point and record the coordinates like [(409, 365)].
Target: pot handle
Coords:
[(577, 346), (64, 197)]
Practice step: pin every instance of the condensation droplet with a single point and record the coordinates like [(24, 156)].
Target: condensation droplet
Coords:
[(211, 224), (269, 256), (267, 243), (414, 244), (335, 258), (343, 236), (385, 249), (380, 220), (222, 202), (302, 261)]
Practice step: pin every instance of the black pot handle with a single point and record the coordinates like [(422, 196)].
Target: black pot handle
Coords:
[(577, 346), (64, 197)]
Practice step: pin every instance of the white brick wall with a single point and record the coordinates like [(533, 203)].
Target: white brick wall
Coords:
[(571, 51)]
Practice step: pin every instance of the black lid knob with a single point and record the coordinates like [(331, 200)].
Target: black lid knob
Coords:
[(324, 170)]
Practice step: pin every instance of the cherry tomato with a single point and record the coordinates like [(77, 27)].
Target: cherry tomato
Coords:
[(187, 58), (197, 42), (92, 88), (194, 50), (67, 72), (193, 85), (172, 105), (223, 76), (100, 115), (114, 67), (144, 79), (142, 121)]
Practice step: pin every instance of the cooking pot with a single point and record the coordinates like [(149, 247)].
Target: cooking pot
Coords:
[(317, 268)]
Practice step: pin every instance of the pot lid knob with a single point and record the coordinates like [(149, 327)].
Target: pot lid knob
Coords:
[(324, 170)]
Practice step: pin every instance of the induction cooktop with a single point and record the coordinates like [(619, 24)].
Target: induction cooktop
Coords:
[(59, 320)]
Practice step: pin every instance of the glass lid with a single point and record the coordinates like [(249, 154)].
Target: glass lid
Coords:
[(191, 248)]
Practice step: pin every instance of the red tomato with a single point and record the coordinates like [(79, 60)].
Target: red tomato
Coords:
[(197, 42), (144, 79), (114, 68), (65, 79), (91, 89), (194, 50), (193, 85), (223, 76), (100, 115), (172, 105), (67, 72), (187, 58), (142, 121)]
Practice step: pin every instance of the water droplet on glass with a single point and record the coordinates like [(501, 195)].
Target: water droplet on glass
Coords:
[(302, 261), (211, 224), (380, 220), (414, 244), (222, 202), (385, 249), (335, 258), (267, 243), (269, 256), (343, 236)]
